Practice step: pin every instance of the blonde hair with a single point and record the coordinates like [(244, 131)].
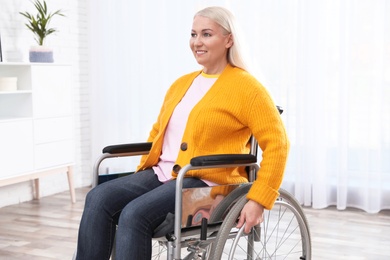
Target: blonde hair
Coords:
[(226, 20)]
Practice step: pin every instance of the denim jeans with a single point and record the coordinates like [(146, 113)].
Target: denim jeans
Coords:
[(137, 203)]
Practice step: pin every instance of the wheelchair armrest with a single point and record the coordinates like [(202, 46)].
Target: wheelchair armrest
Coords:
[(120, 150), (223, 159), (127, 148)]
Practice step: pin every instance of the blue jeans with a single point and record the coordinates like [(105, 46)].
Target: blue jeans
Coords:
[(137, 203)]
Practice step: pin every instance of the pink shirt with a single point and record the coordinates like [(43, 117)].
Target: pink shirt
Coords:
[(177, 124)]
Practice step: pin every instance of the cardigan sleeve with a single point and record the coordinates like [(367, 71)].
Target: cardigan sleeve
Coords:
[(267, 127), (153, 133)]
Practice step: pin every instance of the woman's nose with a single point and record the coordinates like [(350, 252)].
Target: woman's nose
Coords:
[(198, 41)]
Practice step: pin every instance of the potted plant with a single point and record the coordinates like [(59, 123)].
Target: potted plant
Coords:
[(39, 25)]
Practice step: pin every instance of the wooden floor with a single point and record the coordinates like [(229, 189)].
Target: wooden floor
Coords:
[(47, 229)]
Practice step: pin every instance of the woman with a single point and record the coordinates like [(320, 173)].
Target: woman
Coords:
[(211, 111)]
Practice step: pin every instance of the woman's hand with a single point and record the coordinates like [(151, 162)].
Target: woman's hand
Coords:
[(251, 214)]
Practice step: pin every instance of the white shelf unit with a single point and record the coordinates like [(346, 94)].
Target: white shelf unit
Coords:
[(36, 124)]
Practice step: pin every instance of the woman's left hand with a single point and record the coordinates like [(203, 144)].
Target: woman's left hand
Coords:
[(251, 214)]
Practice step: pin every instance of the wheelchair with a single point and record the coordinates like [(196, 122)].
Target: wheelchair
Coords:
[(209, 231)]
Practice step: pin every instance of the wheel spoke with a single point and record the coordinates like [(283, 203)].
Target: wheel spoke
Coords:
[(284, 234)]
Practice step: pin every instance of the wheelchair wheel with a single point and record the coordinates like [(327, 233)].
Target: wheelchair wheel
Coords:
[(159, 250), (284, 234), (225, 205), (188, 252)]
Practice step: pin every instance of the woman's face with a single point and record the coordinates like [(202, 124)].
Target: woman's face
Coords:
[(209, 45)]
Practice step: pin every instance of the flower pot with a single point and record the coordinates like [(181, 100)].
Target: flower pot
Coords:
[(41, 54)]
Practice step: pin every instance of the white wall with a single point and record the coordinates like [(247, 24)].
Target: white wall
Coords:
[(70, 46)]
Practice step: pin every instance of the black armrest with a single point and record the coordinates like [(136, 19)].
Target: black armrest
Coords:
[(126, 148), (221, 159)]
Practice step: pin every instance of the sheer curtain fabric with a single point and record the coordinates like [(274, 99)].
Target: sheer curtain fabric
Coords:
[(326, 62)]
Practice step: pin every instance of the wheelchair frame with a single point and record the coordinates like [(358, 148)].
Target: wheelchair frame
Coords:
[(174, 242)]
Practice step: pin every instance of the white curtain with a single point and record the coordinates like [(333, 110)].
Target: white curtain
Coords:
[(326, 62)]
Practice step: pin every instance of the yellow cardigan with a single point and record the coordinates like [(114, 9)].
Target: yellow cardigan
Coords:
[(221, 123)]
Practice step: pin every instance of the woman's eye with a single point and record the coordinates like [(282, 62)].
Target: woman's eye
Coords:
[(193, 35), (206, 35)]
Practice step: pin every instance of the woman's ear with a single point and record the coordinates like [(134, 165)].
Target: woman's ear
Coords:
[(229, 41)]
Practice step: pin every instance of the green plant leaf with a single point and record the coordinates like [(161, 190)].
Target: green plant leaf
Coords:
[(38, 24)]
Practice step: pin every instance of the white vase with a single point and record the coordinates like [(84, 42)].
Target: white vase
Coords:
[(41, 54)]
